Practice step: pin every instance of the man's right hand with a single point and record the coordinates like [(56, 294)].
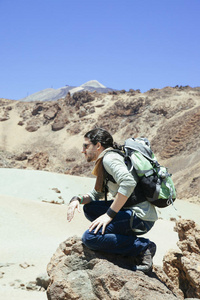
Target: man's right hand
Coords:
[(73, 205)]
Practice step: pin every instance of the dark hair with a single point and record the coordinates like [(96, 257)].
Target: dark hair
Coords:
[(100, 135)]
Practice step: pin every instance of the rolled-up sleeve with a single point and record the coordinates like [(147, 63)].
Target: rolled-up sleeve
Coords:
[(95, 196), (115, 166)]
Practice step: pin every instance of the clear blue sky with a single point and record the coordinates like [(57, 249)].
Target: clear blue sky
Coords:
[(138, 44)]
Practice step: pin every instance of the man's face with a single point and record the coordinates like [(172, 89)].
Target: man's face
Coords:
[(90, 150)]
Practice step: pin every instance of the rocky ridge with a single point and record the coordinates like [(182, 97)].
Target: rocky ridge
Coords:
[(48, 135)]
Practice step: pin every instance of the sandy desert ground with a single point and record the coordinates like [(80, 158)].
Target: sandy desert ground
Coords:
[(32, 227)]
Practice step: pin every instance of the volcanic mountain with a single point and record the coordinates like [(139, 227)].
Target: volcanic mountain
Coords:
[(51, 94)]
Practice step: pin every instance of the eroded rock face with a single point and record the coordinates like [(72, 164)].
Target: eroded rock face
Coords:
[(79, 273), (183, 267)]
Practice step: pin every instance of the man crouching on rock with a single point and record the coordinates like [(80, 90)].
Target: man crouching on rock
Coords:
[(115, 224)]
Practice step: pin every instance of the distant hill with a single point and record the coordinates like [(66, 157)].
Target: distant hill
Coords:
[(51, 94)]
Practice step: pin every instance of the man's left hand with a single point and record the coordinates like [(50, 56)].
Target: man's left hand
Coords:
[(101, 221)]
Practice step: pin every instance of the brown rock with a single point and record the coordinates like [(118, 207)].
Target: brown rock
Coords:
[(21, 157), (183, 267), (36, 110), (60, 121), (56, 190), (4, 118), (20, 123), (82, 112), (76, 272), (39, 160), (24, 265), (51, 112), (33, 125), (57, 126)]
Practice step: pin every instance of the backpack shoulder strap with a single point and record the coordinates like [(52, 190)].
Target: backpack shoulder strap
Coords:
[(109, 177)]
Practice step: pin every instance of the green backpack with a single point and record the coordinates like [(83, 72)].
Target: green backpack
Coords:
[(154, 180)]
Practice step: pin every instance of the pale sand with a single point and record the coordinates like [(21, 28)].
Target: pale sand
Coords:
[(31, 230)]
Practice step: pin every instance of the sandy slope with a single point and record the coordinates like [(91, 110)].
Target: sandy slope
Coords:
[(30, 233), (31, 230)]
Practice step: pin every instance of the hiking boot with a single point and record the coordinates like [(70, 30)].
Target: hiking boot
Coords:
[(147, 259)]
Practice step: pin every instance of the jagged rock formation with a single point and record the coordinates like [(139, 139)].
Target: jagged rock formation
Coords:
[(169, 117), (183, 267), (79, 273)]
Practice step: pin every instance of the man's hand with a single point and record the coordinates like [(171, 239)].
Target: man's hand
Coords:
[(101, 221), (71, 209)]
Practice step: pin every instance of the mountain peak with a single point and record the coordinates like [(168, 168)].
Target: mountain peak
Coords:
[(93, 83)]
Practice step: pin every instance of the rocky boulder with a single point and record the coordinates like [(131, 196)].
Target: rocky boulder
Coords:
[(37, 109), (51, 112), (60, 121), (183, 267), (79, 273), (33, 125)]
